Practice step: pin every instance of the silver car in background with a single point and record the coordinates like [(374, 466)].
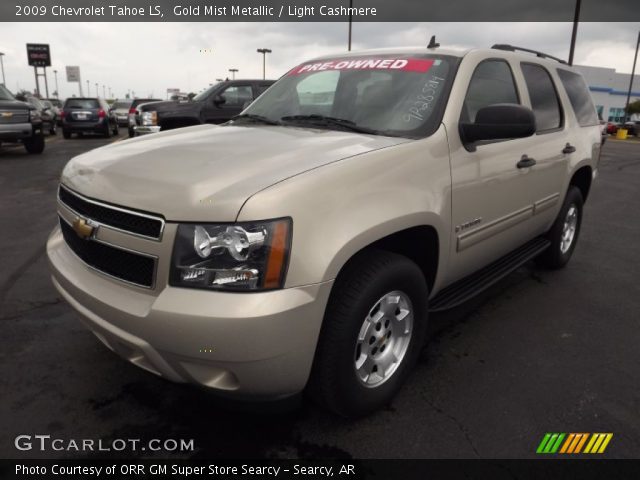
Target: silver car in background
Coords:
[(120, 109)]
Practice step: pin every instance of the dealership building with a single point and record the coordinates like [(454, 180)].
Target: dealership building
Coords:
[(609, 90)]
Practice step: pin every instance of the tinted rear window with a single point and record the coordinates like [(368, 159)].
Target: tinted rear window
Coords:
[(82, 103), (544, 100), (580, 97)]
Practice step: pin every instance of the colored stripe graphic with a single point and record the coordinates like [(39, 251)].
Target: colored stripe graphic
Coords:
[(573, 443)]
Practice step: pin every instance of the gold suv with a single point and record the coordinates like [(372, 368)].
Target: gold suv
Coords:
[(304, 243)]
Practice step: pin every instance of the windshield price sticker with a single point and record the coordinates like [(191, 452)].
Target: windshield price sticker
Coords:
[(403, 64)]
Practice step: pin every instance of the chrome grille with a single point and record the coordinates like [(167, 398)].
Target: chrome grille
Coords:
[(14, 116), (138, 223)]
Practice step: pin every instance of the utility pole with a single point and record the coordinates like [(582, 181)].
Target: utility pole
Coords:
[(574, 32), (233, 73), (4, 82), (633, 72), (55, 74), (97, 94), (104, 91), (88, 90), (351, 21), (264, 52)]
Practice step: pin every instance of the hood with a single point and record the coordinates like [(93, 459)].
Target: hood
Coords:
[(169, 106), (207, 172), (14, 105)]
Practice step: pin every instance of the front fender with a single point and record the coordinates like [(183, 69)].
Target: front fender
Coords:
[(343, 207)]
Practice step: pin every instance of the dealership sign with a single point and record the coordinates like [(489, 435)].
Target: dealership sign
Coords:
[(73, 74), (38, 54)]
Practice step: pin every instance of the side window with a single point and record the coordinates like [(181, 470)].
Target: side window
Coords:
[(544, 99), (492, 82), (260, 89), (237, 95), (579, 97), (318, 90)]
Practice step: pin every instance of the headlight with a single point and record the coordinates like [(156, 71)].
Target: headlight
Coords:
[(239, 256), (149, 118), (34, 115)]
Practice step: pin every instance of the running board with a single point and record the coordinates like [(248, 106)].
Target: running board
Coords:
[(468, 287)]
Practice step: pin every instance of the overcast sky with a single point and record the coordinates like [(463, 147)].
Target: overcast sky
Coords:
[(148, 58)]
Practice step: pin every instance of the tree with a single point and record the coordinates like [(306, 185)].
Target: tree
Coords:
[(634, 107)]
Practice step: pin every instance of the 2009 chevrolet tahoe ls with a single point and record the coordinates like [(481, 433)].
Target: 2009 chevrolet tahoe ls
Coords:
[(303, 244)]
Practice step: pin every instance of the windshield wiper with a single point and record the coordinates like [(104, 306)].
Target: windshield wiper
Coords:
[(256, 118), (322, 120)]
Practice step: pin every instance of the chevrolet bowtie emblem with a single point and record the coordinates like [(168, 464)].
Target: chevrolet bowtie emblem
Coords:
[(82, 228), (7, 114)]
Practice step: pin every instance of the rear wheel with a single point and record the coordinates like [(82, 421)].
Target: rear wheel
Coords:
[(35, 144), (66, 134), (107, 131), (132, 133), (54, 128), (115, 129), (563, 235), (373, 330)]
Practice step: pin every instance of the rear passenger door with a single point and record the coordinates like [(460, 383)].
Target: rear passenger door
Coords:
[(549, 147)]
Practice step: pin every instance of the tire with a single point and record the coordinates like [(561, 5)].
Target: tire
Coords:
[(365, 283), (115, 130), (132, 133), (107, 131), (563, 242), (53, 130), (35, 144), (66, 134)]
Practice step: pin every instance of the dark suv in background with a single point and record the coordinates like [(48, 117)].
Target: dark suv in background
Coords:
[(88, 115), (219, 104), (20, 123)]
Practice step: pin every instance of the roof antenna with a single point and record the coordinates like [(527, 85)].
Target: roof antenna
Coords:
[(432, 42)]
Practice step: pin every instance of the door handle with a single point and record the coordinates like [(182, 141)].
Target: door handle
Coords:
[(568, 148), (526, 162)]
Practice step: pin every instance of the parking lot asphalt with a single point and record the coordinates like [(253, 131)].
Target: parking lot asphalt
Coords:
[(539, 352)]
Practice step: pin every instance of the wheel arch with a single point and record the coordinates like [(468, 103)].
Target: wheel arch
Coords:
[(581, 179)]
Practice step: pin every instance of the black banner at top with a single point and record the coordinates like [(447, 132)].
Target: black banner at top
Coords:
[(317, 10)]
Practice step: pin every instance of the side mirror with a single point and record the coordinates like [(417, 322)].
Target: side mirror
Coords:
[(219, 100), (499, 121)]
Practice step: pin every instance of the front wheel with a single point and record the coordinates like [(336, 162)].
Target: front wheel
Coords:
[(115, 130), (372, 334), (563, 235), (35, 144), (54, 128)]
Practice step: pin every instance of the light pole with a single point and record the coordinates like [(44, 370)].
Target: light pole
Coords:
[(88, 91), (104, 91), (633, 72), (350, 21), (97, 94), (233, 73), (55, 74), (574, 32), (4, 82), (264, 52)]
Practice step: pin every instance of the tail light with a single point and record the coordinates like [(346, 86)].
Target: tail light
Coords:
[(132, 111), (101, 113), (62, 114)]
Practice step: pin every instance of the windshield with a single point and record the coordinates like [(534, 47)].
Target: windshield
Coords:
[(397, 95), (205, 94), (5, 94)]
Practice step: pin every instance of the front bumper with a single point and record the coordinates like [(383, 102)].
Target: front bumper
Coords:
[(249, 345), (15, 131), (144, 130)]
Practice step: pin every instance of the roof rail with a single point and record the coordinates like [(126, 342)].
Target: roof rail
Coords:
[(511, 48)]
